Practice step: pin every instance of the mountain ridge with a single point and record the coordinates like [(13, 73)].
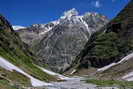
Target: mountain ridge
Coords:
[(69, 30)]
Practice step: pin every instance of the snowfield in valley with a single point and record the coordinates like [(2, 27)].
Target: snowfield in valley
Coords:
[(54, 74), (9, 66)]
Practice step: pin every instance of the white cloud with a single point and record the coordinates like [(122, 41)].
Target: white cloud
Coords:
[(97, 4)]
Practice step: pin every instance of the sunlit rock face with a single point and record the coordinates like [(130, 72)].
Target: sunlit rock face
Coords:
[(60, 45)]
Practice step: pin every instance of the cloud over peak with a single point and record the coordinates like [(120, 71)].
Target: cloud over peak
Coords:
[(97, 4)]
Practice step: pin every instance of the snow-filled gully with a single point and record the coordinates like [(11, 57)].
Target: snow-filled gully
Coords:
[(9, 66), (54, 74), (129, 76), (128, 57)]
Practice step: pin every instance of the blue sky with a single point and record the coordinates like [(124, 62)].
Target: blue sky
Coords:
[(27, 12)]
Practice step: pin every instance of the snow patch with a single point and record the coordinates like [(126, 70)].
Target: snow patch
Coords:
[(128, 57), (128, 77), (18, 27), (106, 67), (68, 14), (9, 66), (54, 74), (55, 22), (46, 27), (85, 24), (45, 31), (73, 71)]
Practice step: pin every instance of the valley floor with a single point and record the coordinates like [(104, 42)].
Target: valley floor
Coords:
[(75, 83)]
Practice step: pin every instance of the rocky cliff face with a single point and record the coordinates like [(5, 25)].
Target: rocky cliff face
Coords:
[(111, 45), (59, 42)]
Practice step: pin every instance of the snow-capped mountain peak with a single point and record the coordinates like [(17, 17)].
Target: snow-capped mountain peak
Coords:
[(70, 13), (71, 18)]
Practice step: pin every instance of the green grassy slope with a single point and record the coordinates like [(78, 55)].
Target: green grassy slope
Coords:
[(15, 51), (110, 45), (122, 84), (12, 80)]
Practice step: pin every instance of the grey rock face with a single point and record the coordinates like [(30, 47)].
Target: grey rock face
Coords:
[(65, 41), (59, 46)]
